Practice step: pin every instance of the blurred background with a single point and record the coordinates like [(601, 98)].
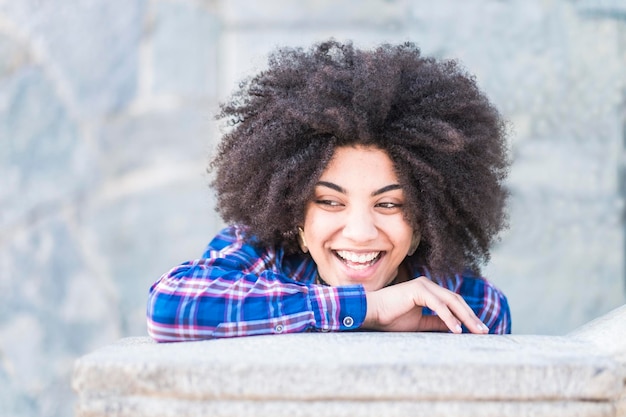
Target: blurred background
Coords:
[(106, 127)]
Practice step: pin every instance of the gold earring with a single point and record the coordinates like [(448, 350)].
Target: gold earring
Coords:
[(302, 240), (415, 242)]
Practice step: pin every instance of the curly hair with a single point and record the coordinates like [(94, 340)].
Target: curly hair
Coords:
[(446, 140)]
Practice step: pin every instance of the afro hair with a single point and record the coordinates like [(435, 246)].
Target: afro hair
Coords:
[(447, 142)]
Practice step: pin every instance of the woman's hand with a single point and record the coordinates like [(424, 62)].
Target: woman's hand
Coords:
[(398, 308)]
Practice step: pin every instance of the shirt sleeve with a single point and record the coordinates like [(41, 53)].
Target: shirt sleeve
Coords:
[(231, 292)]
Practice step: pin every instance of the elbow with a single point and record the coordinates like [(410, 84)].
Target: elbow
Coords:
[(161, 319), (170, 320), (159, 327), (162, 333), (164, 328), (155, 333)]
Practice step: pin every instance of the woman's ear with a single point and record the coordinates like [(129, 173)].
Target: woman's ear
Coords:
[(415, 242), (302, 240)]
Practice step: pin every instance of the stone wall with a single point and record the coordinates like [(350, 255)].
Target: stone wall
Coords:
[(106, 126), (362, 374)]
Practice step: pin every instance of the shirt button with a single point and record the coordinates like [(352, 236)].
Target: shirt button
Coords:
[(325, 330), (348, 321), (279, 328)]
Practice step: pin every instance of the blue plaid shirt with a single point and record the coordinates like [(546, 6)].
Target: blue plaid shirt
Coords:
[(239, 289)]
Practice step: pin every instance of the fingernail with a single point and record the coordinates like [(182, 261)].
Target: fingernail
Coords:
[(458, 329), (483, 326)]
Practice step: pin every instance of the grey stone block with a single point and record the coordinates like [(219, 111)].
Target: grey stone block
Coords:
[(611, 9), (405, 367), (125, 228), (360, 374), (91, 47), (568, 270), (158, 407), (607, 334), (42, 156), (46, 322), (13, 401), (184, 49), (179, 138), (265, 15)]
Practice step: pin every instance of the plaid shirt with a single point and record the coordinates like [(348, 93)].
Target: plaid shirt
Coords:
[(239, 289)]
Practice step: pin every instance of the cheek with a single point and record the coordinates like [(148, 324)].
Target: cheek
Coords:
[(310, 220), (318, 220), (402, 233), (315, 224)]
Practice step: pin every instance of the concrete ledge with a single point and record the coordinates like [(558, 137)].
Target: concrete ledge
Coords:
[(361, 374), (130, 407)]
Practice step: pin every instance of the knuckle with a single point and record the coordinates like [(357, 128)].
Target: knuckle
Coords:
[(438, 306), (422, 281)]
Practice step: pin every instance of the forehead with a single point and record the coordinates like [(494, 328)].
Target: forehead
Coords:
[(367, 165)]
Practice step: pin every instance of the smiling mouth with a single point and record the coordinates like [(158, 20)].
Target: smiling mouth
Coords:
[(358, 261)]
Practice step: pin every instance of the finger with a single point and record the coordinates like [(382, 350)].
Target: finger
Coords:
[(466, 315), (439, 306), (433, 324), (456, 306)]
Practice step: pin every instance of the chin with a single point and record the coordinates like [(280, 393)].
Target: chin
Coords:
[(369, 286)]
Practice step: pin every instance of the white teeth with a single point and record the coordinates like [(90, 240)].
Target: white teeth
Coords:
[(360, 258)]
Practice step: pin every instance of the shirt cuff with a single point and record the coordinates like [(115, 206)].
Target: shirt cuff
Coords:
[(338, 308)]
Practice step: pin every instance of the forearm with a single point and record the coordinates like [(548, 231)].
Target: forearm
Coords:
[(193, 302)]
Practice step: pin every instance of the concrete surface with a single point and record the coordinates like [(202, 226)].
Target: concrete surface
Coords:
[(361, 374)]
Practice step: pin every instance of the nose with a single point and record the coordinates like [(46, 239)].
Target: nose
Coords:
[(360, 226)]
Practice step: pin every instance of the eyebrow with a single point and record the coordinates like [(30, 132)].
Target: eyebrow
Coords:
[(342, 190)]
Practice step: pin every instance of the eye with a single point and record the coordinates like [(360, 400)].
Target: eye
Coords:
[(329, 203), (389, 205)]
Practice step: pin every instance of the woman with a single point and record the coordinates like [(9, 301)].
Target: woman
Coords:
[(364, 190)]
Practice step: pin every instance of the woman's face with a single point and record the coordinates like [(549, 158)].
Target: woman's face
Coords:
[(354, 226)]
